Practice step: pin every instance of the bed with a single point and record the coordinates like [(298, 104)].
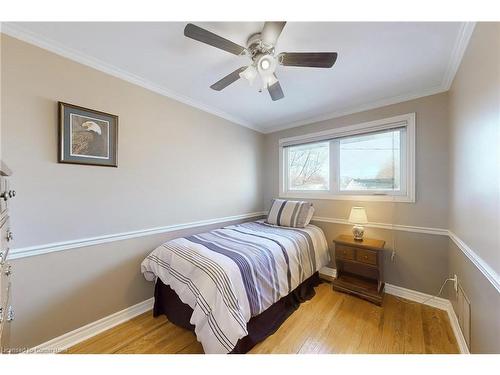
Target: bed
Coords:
[(235, 286)]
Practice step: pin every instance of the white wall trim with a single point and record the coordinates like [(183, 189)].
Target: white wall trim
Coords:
[(90, 241), (458, 51), (413, 295), (405, 228), (488, 272), (460, 46), (358, 109), (485, 269), (78, 335), (457, 54), (437, 302), (18, 32)]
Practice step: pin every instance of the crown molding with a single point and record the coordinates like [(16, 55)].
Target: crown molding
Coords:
[(460, 45), (27, 36), (459, 48), (275, 127)]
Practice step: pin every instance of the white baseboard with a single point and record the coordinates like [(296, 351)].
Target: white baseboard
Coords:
[(72, 338), (462, 344), (413, 295), (437, 302)]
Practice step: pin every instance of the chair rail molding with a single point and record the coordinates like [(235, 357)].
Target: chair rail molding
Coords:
[(484, 267), (389, 226), (28, 251), (488, 272)]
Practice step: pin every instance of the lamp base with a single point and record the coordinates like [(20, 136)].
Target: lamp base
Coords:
[(358, 231)]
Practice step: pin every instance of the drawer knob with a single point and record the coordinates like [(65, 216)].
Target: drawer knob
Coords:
[(4, 196), (8, 270), (10, 314)]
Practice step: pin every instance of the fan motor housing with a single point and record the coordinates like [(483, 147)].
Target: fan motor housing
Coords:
[(256, 47)]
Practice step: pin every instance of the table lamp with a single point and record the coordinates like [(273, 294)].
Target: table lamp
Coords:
[(358, 216)]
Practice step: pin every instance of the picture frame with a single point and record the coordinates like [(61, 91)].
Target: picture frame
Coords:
[(87, 136)]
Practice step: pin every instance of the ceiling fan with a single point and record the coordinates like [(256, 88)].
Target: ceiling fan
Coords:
[(261, 50)]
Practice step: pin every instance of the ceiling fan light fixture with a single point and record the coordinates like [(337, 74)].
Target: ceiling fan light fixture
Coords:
[(266, 65), (249, 74), (261, 50)]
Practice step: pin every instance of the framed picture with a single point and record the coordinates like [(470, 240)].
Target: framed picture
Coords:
[(87, 136)]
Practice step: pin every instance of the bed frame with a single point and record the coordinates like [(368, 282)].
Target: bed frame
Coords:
[(168, 303)]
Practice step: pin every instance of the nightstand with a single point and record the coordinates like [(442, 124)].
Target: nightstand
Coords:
[(360, 267)]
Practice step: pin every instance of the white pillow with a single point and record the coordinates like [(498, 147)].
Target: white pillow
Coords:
[(309, 215)]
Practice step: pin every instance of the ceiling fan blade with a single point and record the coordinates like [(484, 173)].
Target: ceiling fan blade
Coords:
[(271, 32), (227, 80), (275, 91), (308, 59), (205, 36)]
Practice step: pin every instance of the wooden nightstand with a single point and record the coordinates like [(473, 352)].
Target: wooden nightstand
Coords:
[(360, 267)]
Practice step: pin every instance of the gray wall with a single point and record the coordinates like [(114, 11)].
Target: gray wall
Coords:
[(58, 292), (474, 199), (164, 177), (421, 259), (176, 164), (414, 251), (430, 209)]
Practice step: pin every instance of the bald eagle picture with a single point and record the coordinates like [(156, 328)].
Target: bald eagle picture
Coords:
[(89, 138)]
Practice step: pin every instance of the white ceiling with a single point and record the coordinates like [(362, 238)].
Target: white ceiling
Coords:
[(378, 64)]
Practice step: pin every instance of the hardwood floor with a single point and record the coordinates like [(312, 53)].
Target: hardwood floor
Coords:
[(331, 322)]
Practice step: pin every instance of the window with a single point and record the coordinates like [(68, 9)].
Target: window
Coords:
[(308, 167), (371, 161)]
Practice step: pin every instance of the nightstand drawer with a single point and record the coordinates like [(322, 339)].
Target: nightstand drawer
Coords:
[(366, 256), (344, 252)]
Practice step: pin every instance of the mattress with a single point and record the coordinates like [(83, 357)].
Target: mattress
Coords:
[(229, 275)]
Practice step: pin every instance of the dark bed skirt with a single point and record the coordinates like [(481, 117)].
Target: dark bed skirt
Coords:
[(259, 327)]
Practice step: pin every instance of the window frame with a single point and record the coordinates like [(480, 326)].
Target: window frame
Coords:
[(407, 172)]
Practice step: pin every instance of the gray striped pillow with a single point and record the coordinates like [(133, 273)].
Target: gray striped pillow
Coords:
[(289, 213)]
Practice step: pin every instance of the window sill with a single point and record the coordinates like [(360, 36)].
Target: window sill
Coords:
[(359, 198)]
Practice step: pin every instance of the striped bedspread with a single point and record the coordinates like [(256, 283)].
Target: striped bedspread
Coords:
[(229, 275)]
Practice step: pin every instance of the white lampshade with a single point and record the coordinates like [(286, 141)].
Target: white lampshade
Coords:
[(358, 216), (249, 74)]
